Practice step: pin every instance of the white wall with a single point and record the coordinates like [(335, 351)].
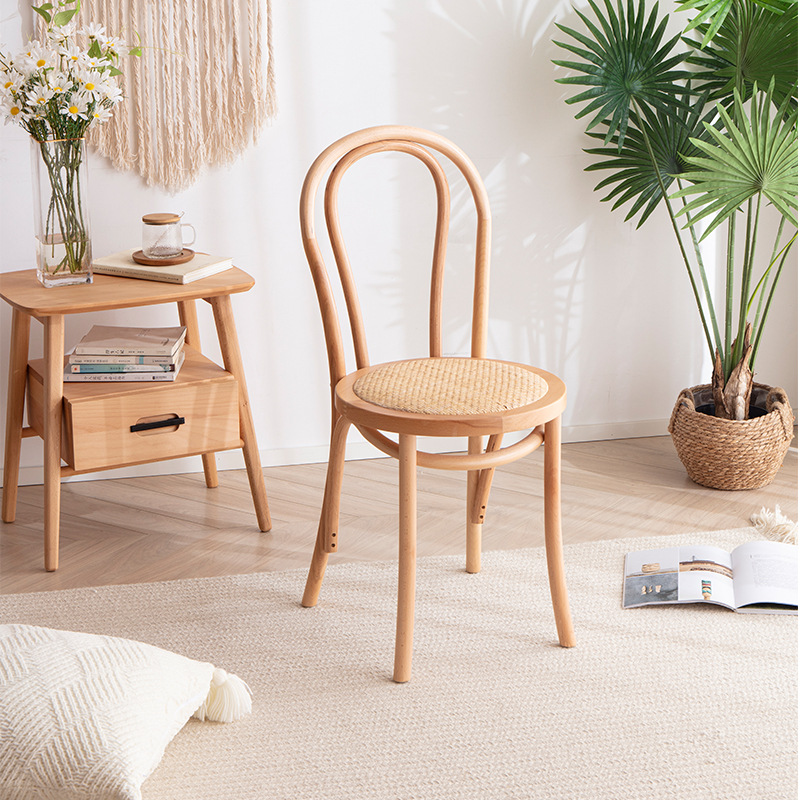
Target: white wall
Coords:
[(574, 288)]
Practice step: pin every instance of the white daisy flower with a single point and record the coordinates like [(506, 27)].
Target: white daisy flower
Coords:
[(92, 82), (42, 57), (73, 54), (76, 108), (40, 96), (112, 43), (10, 81), (113, 93), (94, 30), (24, 65), (59, 82), (100, 114), (13, 112), (60, 32)]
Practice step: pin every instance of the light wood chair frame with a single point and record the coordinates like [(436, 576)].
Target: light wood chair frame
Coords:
[(542, 417)]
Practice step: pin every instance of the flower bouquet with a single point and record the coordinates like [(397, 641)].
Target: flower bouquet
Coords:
[(55, 89)]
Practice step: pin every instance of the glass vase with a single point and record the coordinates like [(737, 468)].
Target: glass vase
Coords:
[(61, 212)]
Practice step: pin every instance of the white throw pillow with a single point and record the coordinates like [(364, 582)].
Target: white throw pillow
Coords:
[(86, 716)]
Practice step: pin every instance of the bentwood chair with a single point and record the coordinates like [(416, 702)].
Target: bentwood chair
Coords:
[(474, 397)]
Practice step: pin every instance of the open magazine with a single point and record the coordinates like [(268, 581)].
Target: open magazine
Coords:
[(757, 577)]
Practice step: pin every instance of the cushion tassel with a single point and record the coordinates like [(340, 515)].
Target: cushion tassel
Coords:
[(229, 698)]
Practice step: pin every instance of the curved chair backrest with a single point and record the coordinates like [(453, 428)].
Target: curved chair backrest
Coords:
[(338, 158)]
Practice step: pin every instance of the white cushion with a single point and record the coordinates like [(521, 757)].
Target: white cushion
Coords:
[(86, 716)]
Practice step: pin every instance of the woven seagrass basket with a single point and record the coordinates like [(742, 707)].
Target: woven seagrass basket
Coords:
[(732, 454)]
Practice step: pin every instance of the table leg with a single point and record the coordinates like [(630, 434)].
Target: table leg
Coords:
[(187, 313), (232, 358), (53, 396), (17, 372)]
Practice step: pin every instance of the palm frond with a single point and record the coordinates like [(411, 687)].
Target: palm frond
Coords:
[(633, 174), (752, 156), (626, 63), (754, 44)]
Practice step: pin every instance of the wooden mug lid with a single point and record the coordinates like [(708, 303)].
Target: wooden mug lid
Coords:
[(160, 219)]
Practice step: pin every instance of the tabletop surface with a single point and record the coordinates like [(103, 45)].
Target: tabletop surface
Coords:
[(23, 291)]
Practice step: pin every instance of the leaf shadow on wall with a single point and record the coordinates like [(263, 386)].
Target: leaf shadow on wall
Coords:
[(480, 73)]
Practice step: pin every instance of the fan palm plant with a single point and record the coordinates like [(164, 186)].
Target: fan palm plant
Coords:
[(703, 123)]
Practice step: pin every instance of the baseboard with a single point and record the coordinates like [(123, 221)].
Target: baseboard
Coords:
[(357, 449), (636, 429)]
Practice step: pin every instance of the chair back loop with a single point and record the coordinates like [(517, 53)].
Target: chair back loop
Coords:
[(337, 159)]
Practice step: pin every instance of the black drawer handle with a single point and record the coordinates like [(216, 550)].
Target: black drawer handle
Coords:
[(162, 423)]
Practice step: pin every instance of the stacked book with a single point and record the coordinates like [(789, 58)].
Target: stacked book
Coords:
[(113, 353), (201, 265)]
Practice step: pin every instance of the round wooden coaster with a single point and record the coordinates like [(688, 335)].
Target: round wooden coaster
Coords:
[(140, 258)]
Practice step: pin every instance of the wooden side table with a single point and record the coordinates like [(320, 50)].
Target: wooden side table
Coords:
[(214, 394)]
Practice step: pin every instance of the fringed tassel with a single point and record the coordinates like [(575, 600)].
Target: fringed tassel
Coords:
[(229, 699), (775, 525), (200, 93)]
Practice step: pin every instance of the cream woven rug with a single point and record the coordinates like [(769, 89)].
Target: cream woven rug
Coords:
[(679, 703)]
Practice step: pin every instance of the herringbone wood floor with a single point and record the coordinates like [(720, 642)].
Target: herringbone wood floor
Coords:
[(162, 528)]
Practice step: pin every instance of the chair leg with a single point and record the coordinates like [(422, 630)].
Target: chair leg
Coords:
[(406, 585), (474, 525), (327, 533), (552, 532), (479, 483)]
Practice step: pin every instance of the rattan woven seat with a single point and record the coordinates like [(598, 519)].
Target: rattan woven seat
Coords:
[(450, 386), (437, 396)]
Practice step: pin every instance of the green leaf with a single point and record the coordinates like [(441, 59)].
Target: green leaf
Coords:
[(753, 156), (778, 6), (63, 17), (94, 50), (710, 13), (44, 11), (627, 65)]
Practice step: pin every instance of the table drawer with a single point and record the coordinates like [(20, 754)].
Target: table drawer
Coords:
[(98, 417)]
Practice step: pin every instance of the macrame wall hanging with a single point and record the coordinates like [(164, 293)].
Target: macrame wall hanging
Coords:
[(200, 93)]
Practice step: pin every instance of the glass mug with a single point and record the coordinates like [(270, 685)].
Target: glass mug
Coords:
[(162, 235)]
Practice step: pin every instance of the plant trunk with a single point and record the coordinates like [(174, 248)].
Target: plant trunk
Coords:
[(732, 397)]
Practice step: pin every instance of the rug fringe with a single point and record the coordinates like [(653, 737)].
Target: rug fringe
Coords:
[(775, 525)]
